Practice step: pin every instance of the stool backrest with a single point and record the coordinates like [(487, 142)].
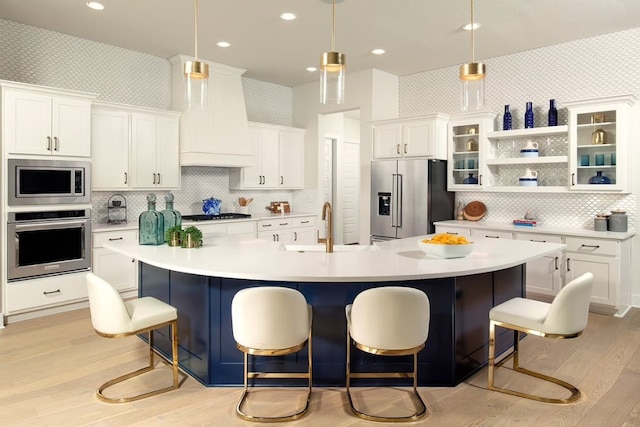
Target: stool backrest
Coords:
[(390, 317), (569, 310), (109, 313), (270, 317)]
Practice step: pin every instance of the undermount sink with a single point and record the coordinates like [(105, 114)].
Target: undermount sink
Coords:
[(336, 248)]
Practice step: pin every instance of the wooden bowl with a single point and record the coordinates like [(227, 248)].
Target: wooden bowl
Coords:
[(474, 211)]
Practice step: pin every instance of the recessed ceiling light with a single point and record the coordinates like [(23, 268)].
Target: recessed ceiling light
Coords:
[(223, 44), (378, 51), (288, 16), (469, 27), (95, 5), (311, 69)]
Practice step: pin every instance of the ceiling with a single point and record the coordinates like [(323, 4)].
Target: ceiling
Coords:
[(418, 35)]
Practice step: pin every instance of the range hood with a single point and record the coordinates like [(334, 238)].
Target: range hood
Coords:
[(218, 135)]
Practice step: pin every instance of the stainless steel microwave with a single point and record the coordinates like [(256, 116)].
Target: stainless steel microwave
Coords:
[(50, 182)]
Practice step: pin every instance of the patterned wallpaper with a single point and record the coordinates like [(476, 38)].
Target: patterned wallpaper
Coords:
[(43, 57), (589, 68)]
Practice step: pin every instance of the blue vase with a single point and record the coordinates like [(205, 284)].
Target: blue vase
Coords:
[(553, 113), (528, 116), (506, 120), (470, 180), (598, 178)]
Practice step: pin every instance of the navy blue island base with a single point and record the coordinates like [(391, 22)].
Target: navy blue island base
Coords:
[(457, 345)]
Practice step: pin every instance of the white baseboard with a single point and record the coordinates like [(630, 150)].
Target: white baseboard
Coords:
[(635, 300)]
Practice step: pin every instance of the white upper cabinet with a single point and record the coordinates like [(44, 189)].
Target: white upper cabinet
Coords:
[(45, 121), (424, 136), (279, 159), (600, 131), (134, 148)]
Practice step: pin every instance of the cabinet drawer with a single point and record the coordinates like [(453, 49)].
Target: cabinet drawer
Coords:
[(592, 246), (307, 221), (99, 238), (48, 291), (209, 229), (491, 234), (535, 237), (274, 224), (242, 227), (453, 230)]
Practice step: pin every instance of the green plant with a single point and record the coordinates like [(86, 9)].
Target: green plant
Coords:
[(172, 230), (194, 233)]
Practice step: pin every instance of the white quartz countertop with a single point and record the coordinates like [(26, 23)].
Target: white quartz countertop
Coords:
[(254, 259), (564, 231), (133, 225)]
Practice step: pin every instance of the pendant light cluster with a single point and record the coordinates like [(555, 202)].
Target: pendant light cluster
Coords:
[(332, 69), (196, 75), (472, 77)]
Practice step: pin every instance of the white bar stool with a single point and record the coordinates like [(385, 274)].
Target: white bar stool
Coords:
[(114, 318), (271, 321), (388, 321), (565, 317)]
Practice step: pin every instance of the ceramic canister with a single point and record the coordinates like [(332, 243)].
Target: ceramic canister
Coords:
[(618, 221), (600, 222)]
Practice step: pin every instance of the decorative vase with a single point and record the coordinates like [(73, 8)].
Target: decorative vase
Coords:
[(598, 136), (470, 180), (171, 216), (553, 113), (151, 224), (618, 221), (598, 178), (173, 239), (211, 206), (528, 116), (506, 119)]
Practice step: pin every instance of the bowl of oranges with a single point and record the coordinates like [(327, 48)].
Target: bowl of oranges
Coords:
[(445, 245)]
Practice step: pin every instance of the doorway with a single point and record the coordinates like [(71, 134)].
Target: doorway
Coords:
[(340, 166)]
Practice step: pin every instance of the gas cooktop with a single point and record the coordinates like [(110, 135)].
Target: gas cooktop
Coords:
[(231, 215)]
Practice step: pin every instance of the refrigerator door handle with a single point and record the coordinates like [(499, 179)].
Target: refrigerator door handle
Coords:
[(398, 190), (394, 186)]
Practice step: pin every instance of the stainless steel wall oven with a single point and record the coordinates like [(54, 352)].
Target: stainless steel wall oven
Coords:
[(48, 242)]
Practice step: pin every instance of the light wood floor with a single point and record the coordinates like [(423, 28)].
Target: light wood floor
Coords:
[(50, 368)]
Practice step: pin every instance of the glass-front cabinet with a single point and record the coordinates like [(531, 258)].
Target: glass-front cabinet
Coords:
[(599, 143), (467, 140)]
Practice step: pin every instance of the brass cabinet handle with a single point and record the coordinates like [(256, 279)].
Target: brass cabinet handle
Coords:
[(405, 148), (126, 178), (48, 143), (158, 177), (154, 178), (397, 148), (281, 180), (55, 143)]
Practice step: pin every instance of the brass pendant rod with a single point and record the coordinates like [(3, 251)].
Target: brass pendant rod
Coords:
[(196, 28), (473, 45), (333, 27)]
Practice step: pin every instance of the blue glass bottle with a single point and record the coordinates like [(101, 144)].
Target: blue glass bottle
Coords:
[(553, 113), (470, 180), (528, 116), (151, 224), (506, 120), (171, 216), (598, 178)]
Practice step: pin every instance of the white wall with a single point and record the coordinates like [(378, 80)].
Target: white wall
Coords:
[(375, 93)]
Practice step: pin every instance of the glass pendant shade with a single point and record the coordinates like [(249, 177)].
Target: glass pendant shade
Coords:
[(196, 74), (196, 77), (332, 78)]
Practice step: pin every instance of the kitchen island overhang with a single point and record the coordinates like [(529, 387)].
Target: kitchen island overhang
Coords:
[(201, 283)]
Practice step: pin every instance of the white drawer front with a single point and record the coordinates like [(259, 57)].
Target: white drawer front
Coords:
[(491, 234), (48, 291), (453, 230), (592, 246), (241, 227), (99, 238), (274, 224), (535, 237), (208, 229), (307, 221)]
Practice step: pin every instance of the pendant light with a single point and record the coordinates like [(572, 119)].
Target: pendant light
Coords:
[(196, 75), (472, 77), (332, 69)]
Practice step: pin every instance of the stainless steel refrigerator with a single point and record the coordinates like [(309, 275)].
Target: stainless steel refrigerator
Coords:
[(407, 197)]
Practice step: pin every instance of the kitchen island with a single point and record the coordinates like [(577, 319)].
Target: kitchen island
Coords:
[(201, 283)]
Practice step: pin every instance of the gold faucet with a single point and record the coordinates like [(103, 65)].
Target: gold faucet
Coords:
[(329, 239)]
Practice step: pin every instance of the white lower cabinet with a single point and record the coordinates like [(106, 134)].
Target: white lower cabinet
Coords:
[(46, 292), (545, 276), (453, 230), (491, 234), (288, 230), (240, 228), (119, 270)]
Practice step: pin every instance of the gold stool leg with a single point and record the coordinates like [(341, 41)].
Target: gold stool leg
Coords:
[(150, 367), (515, 352)]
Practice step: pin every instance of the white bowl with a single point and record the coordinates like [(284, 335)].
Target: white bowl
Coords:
[(446, 251), (528, 182), (529, 152)]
